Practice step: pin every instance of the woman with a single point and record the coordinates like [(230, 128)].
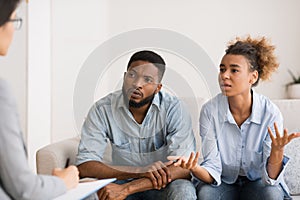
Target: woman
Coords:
[(243, 150), (16, 179)]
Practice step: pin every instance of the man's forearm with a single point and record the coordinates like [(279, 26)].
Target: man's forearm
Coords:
[(99, 170), (143, 184)]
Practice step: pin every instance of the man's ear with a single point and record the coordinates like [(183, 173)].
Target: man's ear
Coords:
[(158, 88), (124, 76)]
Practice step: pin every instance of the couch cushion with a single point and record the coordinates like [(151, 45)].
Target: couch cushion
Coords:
[(292, 173), (290, 109)]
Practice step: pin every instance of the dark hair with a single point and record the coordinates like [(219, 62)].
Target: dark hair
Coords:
[(7, 7), (259, 53), (150, 57)]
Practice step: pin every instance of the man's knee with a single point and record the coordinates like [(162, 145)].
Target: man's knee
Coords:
[(181, 189)]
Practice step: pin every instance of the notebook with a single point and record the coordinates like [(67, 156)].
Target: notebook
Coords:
[(84, 189)]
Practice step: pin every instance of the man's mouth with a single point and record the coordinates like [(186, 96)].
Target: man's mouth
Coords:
[(135, 94)]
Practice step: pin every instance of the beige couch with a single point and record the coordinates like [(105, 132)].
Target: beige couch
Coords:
[(57, 154)]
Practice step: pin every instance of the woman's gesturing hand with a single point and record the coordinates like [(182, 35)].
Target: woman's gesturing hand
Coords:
[(279, 141)]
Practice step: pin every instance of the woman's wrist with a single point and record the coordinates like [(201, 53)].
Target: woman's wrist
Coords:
[(193, 170)]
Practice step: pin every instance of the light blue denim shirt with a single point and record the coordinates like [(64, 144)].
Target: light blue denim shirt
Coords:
[(166, 130), (229, 151)]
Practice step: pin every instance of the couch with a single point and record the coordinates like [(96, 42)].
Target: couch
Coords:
[(63, 152)]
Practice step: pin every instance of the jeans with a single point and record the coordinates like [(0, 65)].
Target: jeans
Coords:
[(179, 189), (242, 189)]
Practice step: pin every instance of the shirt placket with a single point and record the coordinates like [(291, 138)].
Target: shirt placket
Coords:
[(243, 146)]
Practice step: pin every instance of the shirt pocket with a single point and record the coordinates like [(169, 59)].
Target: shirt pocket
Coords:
[(158, 141), (254, 160), (121, 146)]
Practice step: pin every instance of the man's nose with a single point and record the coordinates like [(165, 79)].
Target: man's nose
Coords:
[(138, 82)]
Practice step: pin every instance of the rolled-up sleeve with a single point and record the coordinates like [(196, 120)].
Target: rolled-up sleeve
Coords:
[(211, 155), (93, 137), (267, 149), (180, 136), (279, 179)]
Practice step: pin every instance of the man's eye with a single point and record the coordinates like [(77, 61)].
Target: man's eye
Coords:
[(234, 70), (148, 80), (132, 75)]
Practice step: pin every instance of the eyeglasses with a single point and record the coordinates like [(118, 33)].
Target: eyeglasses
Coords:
[(17, 23)]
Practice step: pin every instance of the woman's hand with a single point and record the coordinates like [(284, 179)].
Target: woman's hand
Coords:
[(69, 175), (279, 142), (191, 163)]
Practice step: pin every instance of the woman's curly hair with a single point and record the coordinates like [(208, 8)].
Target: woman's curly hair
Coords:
[(259, 52)]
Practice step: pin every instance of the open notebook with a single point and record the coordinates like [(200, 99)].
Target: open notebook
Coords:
[(84, 189)]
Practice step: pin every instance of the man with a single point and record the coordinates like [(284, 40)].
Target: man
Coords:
[(144, 125)]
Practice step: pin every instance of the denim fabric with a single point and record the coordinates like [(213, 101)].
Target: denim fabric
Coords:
[(179, 189), (242, 189)]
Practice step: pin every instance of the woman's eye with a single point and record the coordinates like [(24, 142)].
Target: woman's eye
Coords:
[(222, 70)]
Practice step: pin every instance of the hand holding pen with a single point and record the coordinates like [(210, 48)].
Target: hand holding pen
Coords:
[(70, 175)]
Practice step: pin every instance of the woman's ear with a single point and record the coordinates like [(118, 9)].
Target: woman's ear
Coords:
[(254, 77)]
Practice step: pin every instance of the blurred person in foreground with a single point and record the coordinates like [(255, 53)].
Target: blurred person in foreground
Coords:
[(17, 181)]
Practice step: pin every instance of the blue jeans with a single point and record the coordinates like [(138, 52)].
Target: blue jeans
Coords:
[(179, 189), (243, 189)]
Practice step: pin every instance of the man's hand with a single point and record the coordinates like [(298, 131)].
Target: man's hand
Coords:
[(113, 191), (158, 173)]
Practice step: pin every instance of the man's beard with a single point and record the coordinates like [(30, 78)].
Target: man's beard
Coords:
[(133, 104)]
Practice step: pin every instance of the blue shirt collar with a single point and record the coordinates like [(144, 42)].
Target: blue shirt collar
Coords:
[(257, 110)]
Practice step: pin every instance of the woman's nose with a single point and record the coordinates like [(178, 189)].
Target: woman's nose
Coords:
[(224, 75)]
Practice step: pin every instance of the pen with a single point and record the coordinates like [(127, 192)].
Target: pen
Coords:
[(67, 163)]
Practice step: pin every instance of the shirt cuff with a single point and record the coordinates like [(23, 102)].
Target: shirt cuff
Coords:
[(215, 175), (279, 179)]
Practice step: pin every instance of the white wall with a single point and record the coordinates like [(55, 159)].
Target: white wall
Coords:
[(39, 77)]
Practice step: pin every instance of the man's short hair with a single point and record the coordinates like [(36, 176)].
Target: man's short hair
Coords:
[(151, 57)]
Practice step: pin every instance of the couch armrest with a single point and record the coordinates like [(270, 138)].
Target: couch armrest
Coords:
[(56, 155)]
